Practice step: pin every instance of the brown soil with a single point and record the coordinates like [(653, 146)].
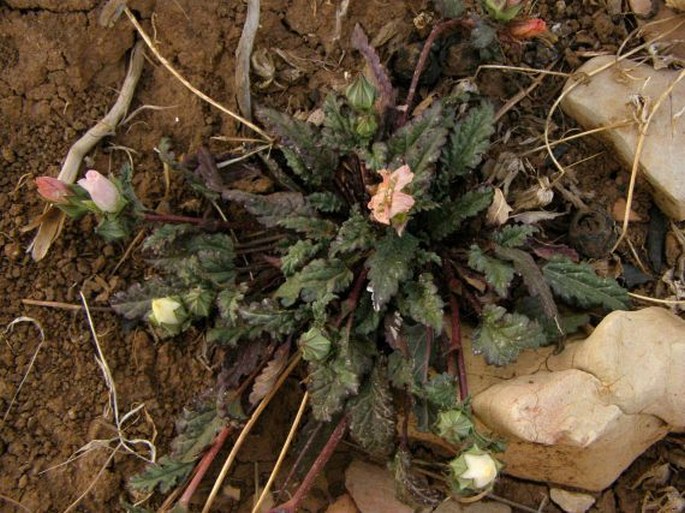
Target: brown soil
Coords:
[(59, 72)]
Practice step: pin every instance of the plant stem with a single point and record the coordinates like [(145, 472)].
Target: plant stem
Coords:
[(438, 30), (455, 352), (210, 224), (351, 302), (293, 504), (203, 467)]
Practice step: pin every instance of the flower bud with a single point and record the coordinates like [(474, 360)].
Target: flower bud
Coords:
[(315, 346), (453, 425), (474, 470), (361, 94), (167, 311), (503, 10), (54, 190), (366, 126), (102, 191), (527, 29)]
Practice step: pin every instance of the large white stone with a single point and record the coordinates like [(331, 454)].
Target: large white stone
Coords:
[(611, 96), (581, 417)]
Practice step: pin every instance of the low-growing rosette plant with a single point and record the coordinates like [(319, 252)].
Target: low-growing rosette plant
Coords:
[(372, 249)]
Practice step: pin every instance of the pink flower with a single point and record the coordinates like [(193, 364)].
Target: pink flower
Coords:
[(53, 190), (104, 193), (527, 29), (389, 204)]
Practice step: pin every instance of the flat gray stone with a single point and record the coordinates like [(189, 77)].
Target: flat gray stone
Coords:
[(611, 96)]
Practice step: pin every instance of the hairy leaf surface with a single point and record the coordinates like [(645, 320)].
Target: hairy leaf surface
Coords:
[(317, 281), (165, 475), (513, 236), (423, 303), (497, 273), (447, 219), (418, 144), (304, 140), (389, 266), (270, 209), (468, 142), (354, 235), (580, 283), (372, 415), (502, 336)]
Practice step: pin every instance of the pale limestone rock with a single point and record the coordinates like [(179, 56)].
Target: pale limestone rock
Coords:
[(549, 408), (571, 502), (611, 96), (581, 417), (640, 358)]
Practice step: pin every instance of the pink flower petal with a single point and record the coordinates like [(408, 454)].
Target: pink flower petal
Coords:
[(53, 190), (104, 193), (401, 203), (402, 177)]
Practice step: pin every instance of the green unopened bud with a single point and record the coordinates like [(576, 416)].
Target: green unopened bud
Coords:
[(361, 94), (453, 425), (366, 126), (315, 346), (503, 10), (474, 470)]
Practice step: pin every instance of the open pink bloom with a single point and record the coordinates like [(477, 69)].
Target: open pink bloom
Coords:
[(527, 29), (53, 190), (389, 200), (104, 193)]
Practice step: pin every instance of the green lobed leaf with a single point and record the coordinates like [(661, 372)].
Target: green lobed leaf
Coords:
[(372, 415), (532, 278), (303, 140), (267, 316), (165, 475), (298, 255), (513, 236), (497, 273), (467, 143), (196, 428), (326, 202), (319, 279), (270, 209), (338, 129), (502, 336), (355, 235), (418, 144), (334, 380), (447, 219), (136, 301), (422, 302), (312, 227), (112, 228), (441, 391), (580, 284), (195, 258), (389, 266), (198, 301)]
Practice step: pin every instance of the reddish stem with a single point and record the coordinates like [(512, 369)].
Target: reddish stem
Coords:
[(352, 300), (294, 503), (438, 30), (455, 353), (203, 467), (210, 224)]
